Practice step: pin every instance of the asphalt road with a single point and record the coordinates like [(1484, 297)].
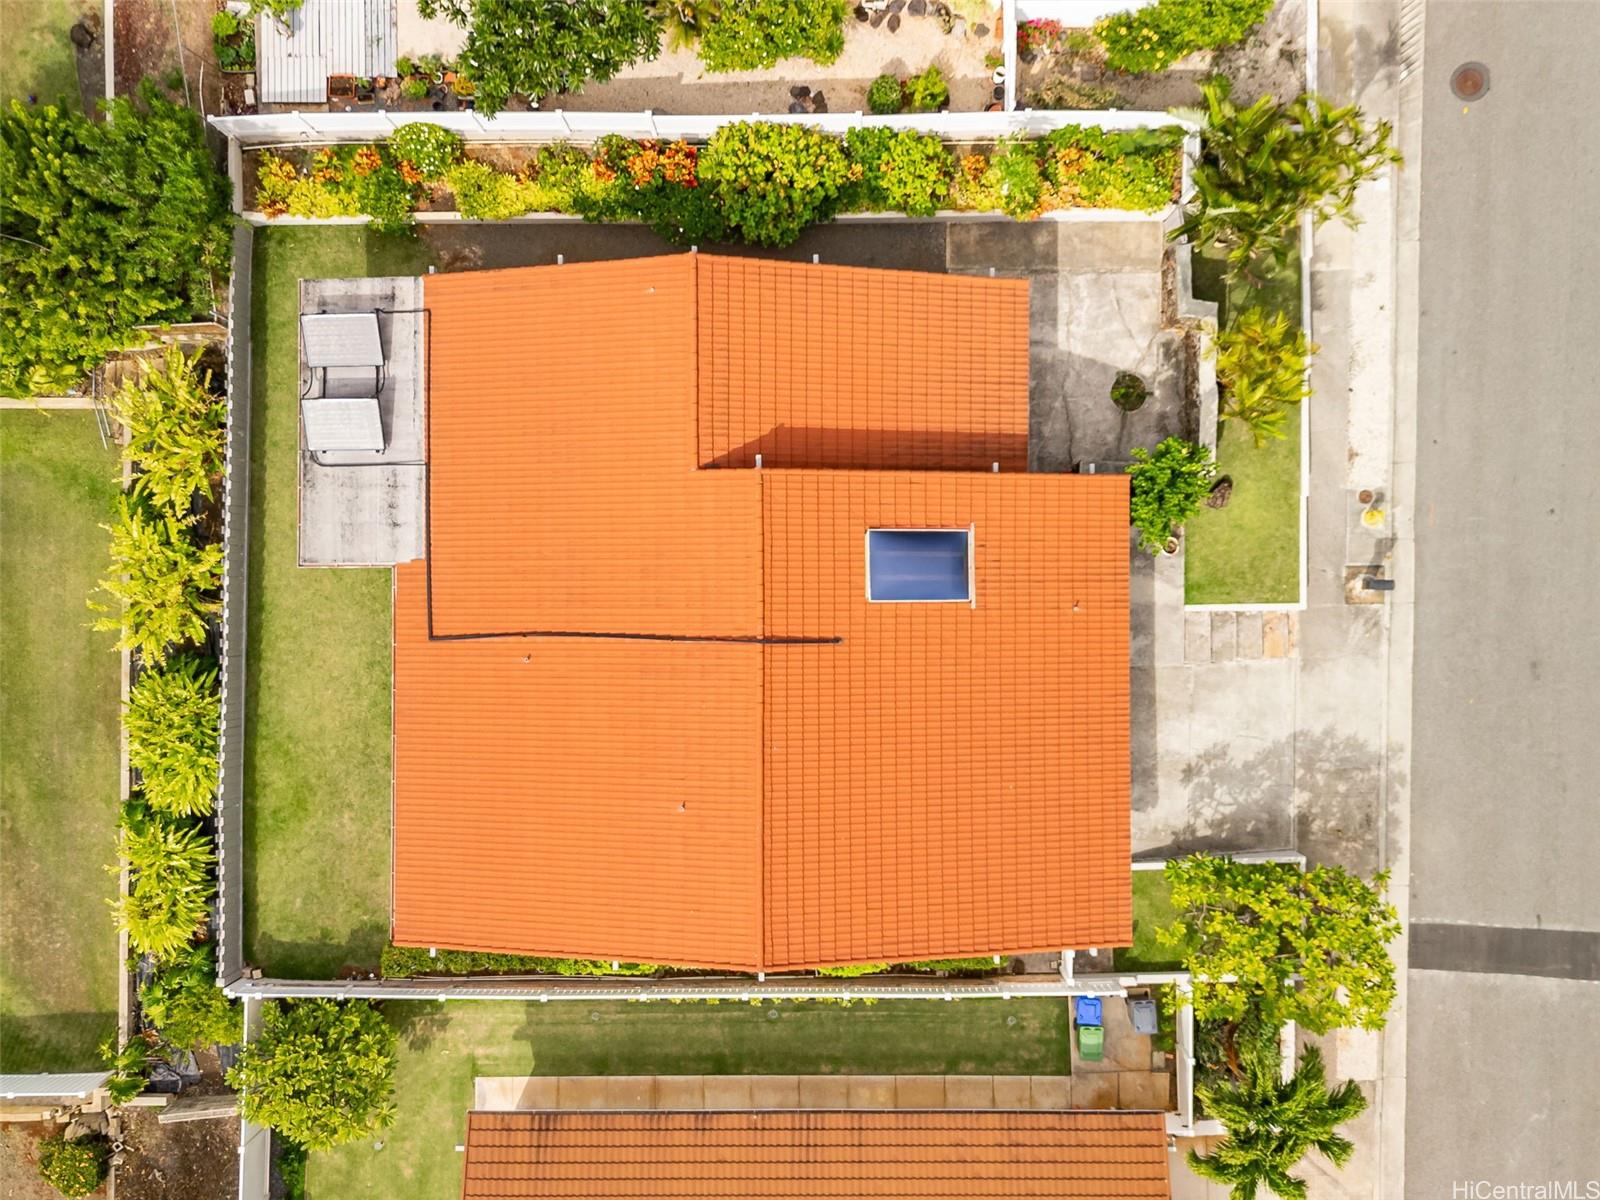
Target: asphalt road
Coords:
[(1503, 1023)]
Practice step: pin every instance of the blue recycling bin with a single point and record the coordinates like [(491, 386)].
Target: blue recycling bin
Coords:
[(1088, 1010)]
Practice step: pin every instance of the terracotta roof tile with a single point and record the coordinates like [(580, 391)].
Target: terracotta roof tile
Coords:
[(840, 1155), (922, 780)]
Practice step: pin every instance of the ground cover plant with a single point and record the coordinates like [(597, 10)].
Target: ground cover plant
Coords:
[(442, 1047), (316, 841), (320, 1072), (107, 225), (1168, 486), (534, 47), (1304, 946), (747, 35), (1155, 36), (754, 181), (58, 727)]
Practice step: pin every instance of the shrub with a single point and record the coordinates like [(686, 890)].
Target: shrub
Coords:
[(900, 169), (651, 181), (771, 181), (171, 861), (162, 586), (535, 47), (927, 92), (291, 1167), (172, 721), (1014, 179), (127, 1065), (1168, 488), (852, 970), (886, 95), (751, 35), (176, 430), (1261, 167), (955, 966), (107, 225), (321, 1073), (1152, 38), (403, 962), (342, 182), (1039, 36), (431, 149), (1261, 369), (1096, 168), (1305, 946), (414, 89), (1128, 391), (183, 1003), (74, 1168), (224, 24), (484, 194)]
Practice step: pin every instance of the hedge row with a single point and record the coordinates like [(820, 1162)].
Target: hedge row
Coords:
[(756, 182), (404, 962)]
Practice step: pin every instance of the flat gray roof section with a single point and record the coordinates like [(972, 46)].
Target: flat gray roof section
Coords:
[(295, 56), (341, 339), (365, 508)]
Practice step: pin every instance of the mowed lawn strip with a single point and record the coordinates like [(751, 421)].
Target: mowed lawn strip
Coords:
[(318, 711), (1249, 552), (59, 689), (1152, 910), (443, 1047), (39, 58)]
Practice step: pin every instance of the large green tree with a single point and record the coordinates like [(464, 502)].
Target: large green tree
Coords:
[(1261, 167), (104, 226), (1272, 1123), (321, 1072), (1305, 946), (532, 47)]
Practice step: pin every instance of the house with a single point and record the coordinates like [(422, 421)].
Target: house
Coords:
[(850, 1155), (744, 639)]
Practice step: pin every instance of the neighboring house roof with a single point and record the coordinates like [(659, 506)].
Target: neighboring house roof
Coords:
[(296, 53), (643, 708), (842, 1155)]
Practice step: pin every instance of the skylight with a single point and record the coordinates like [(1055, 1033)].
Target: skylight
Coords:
[(919, 564)]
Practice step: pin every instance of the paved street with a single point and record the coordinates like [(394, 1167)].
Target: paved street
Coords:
[(1500, 1073)]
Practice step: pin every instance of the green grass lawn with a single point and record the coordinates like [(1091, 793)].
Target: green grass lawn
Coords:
[(444, 1046), (1152, 910), (1249, 552), (58, 729), (318, 713), (39, 58)]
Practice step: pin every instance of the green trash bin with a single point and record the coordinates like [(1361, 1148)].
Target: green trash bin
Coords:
[(1091, 1042)]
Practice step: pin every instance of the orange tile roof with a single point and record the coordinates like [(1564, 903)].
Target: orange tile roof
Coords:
[(731, 758), (853, 1155)]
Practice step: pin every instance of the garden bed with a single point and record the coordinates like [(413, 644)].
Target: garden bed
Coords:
[(58, 723), (1249, 551), (442, 1048), (1062, 68)]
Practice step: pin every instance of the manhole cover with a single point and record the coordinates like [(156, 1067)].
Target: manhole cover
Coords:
[(1470, 80)]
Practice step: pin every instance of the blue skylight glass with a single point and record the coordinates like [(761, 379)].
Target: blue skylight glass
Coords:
[(918, 564)]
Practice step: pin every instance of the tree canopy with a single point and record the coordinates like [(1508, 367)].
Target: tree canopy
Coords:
[(104, 226), (533, 47), (321, 1072), (1272, 1123), (1305, 946)]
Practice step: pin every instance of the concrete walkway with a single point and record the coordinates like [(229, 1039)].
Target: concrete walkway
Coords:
[(739, 1092)]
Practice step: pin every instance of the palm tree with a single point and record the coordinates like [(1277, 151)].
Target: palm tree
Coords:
[(1271, 1124), (1260, 167)]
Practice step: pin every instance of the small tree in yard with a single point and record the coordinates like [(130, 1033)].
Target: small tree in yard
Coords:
[(321, 1073), (162, 585), (1271, 1124), (172, 722), (533, 47), (1261, 367), (176, 427), (1169, 486), (1260, 167), (1305, 946)]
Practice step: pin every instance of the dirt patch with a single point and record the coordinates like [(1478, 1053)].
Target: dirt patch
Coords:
[(677, 82), (19, 1162), (1270, 62), (193, 1160), (169, 41)]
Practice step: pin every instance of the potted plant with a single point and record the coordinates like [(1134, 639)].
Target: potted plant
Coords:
[(233, 40), (364, 90), (341, 88)]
